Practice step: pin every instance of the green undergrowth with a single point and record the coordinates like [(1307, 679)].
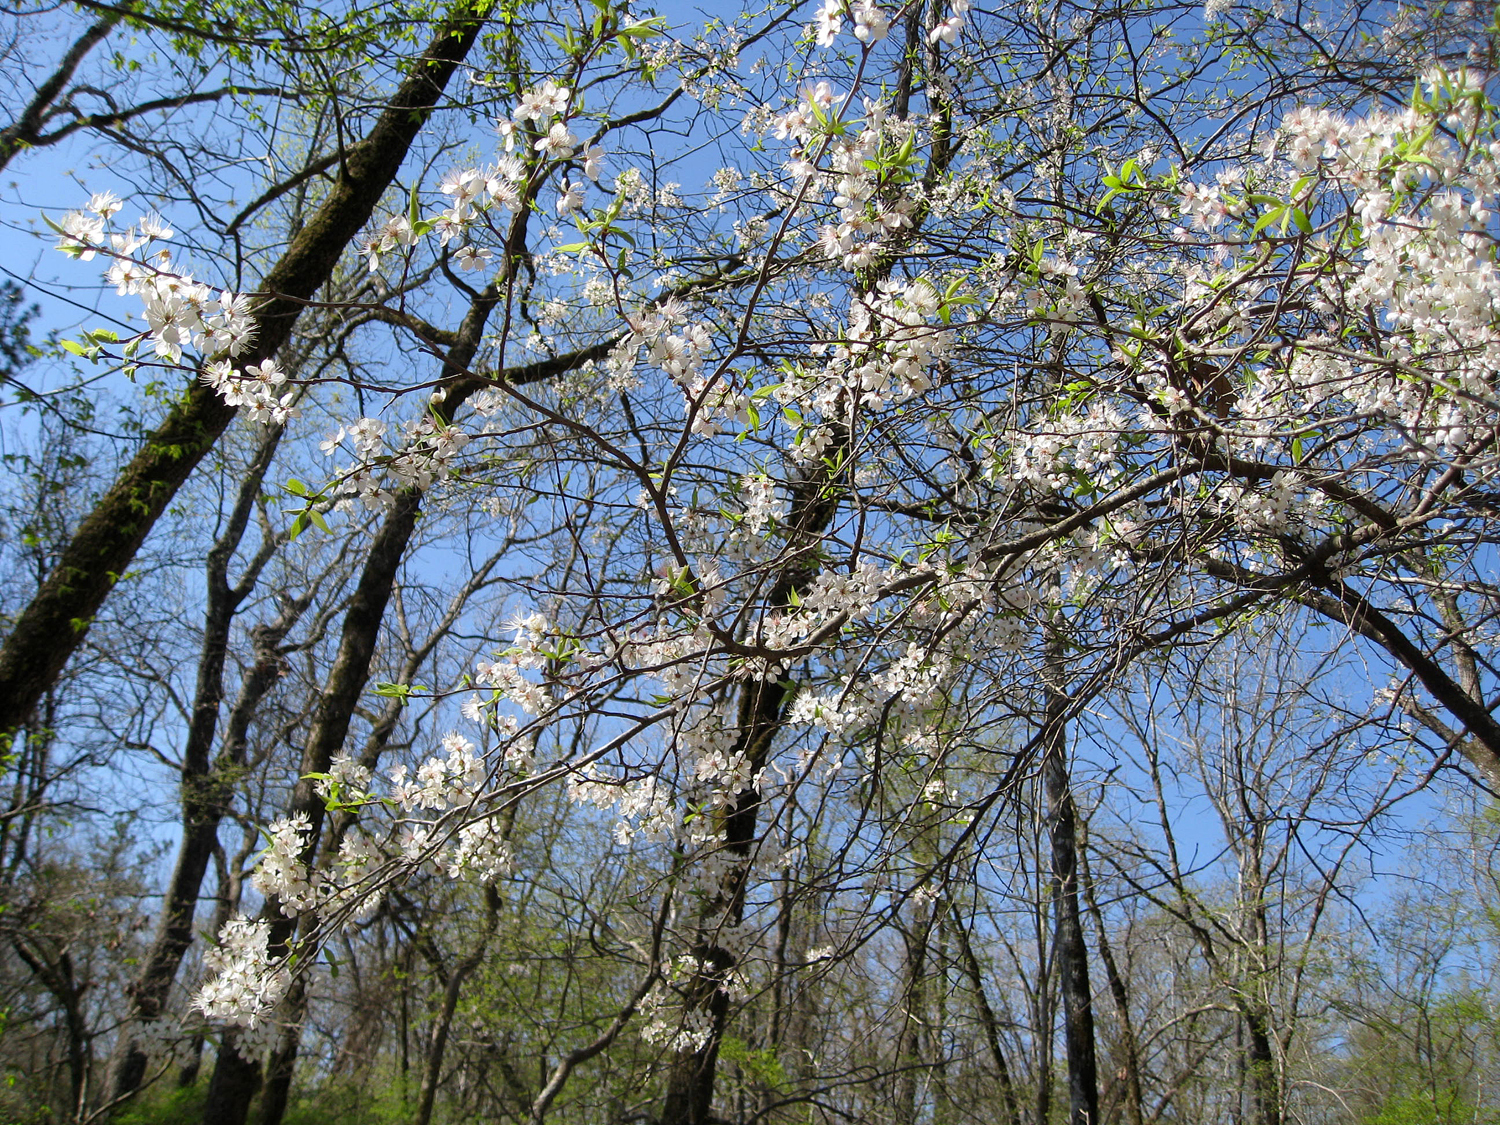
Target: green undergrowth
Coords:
[(335, 1103)]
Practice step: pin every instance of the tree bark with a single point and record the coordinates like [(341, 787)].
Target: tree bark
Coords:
[(229, 1094), (1260, 1059), (908, 1061), (57, 976), (236, 1079), (432, 1070), (1260, 1052), (1071, 952), (1010, 1106), (1130, 1063)]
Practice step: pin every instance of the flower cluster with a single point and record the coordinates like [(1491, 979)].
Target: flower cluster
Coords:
[(1068, 449), (868, 215), (646, 809), (482, 851), (281, 873), (663, 333), (892, 351), (347, 780), (441, 783), (179, 312), (427, 452), (246, 983), (1417, 208), (508, 183), (871, 25), (671, 1012), (259, 390)]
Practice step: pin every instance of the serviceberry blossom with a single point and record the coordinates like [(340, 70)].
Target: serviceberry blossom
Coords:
[(471, 258), (258, 390), (569, 198), (828, 22), (947, 31), (593, 162), (545, 101), (181, 313), (870, 23), (347, 777), (246, 983), (104, 204), (559, 143), (280, 873)]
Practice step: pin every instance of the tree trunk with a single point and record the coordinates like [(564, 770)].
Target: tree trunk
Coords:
[(1071, 952), (909, 1043), (56, 974), (690, 1083), (1265, 1099), (1009, 1105), (1260, 1056), (432, 1070), (1130, 1064), (235, 1078)]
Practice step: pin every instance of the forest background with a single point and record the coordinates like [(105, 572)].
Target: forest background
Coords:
[(918, 564)]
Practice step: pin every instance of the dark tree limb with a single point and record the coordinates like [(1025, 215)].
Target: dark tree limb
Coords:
[(52, 626)]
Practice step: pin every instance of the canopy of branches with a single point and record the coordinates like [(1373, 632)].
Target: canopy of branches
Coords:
[(925, 562)]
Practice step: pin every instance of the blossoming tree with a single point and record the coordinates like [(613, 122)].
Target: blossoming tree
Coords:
[(1004, 349)]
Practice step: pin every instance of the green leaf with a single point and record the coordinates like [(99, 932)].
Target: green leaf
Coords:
[(638, 31), (1268, 218)]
